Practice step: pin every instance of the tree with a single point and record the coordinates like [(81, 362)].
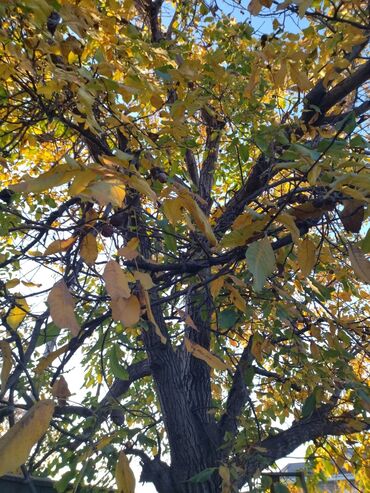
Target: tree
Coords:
[(188, 197)]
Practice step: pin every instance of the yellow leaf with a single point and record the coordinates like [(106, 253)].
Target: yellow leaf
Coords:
[(16, 444), (125, 478), (142, 186), (236, 298), (224, 473), (126, 310), (50, 179), (61, 305), (130, 250), (30, 284), (144, 296), (199, 217), (59, 245), (313, 175), (306, 256), (81, 181), (103, 442), (256, 349), (173, 210), (12, 283), (105, 192), (300, 78), (280, 75), (253, 80), (17, 314), (289, 222), (6, 354), (144, 278), (216, 286), (201, 353), (360, 264), (89, 249), (116, 281), (241, 236), (46, 361)]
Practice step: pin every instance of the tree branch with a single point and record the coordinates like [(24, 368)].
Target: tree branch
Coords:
[(238, 394), (275, 447)]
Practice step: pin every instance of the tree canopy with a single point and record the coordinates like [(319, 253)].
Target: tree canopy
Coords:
[(183, 221)]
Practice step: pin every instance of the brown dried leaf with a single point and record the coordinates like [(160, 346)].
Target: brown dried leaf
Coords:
[(89, 249), (360, 264), (352, 215), (116, 281), (61, 305), (126, 310), (61, 391)]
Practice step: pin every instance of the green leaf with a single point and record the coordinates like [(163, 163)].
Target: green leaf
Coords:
[(364, 395), (117, 369), (261, 262), (266, 482), (309, 405), (227, 319), (280, 488), (359, 141), (48, 334), (203, 476), (365, 243)]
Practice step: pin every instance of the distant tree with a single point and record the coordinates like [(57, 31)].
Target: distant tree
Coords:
[(189, 197)]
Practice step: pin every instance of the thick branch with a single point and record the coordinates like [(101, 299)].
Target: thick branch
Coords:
[(340, 91), (305, 430), (238, 393)]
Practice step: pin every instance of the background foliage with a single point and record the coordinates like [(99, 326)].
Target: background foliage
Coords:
[(184, 218)]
